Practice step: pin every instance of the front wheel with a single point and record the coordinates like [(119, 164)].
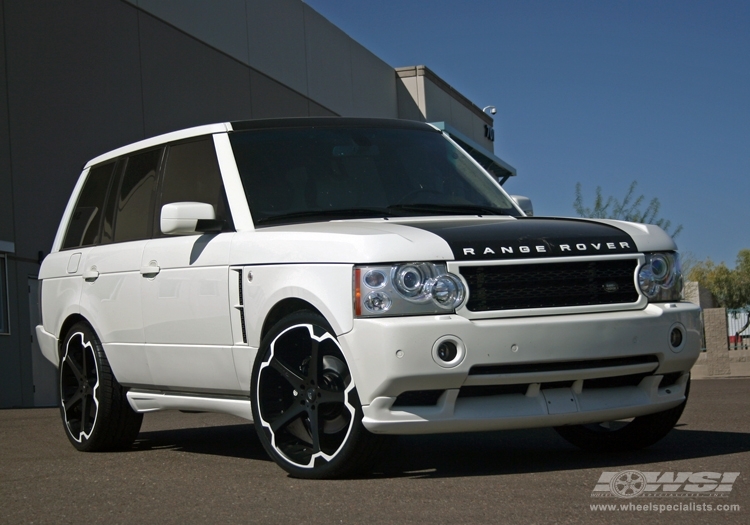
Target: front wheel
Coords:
[(95, 412), (305, 404), (615, 436)]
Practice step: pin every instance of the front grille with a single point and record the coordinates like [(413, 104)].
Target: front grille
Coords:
[(588, 384), (418, 398), (491, 390), (512, 287), (562, 366)]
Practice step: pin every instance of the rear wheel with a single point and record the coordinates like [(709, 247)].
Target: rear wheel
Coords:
[(95, 412), (632, 434), (305, 404)]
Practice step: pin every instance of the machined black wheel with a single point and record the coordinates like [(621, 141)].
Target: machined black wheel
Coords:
[(624, 435), (95, 412), (305, 404)]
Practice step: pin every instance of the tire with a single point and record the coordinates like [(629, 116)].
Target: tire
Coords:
[(96, 414), (614, 436), (305, 404)]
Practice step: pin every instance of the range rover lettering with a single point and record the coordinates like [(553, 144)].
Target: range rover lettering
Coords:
[(337, 280)]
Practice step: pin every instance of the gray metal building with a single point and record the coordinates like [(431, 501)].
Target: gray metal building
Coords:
[(81, 77)]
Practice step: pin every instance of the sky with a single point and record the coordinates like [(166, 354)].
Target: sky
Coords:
[(600, 92)]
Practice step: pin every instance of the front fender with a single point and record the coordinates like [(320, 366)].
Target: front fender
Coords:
[(328, 287)]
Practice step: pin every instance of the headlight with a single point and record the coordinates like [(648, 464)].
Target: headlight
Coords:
[(411, 280), (660, 278), (406, 289)]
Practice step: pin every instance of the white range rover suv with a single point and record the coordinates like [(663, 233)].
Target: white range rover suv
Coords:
[(335, 280)]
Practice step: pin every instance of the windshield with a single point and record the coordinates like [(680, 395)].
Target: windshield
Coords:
[(324, 173)]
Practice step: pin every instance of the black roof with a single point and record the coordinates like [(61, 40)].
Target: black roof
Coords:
[(330, 122)]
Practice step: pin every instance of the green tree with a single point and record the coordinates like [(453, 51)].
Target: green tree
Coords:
[(731, 288), (627, 209)]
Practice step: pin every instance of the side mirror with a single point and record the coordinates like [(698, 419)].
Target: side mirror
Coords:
[(184, 218), (524, 203)]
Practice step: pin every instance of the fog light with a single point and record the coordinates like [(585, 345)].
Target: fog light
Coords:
[(447, 351), (675, 338)]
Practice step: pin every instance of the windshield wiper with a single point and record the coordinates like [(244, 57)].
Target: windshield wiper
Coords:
[(327, 214), (452, 209)]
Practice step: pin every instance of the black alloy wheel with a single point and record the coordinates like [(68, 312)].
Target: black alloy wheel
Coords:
[(305, 405), (95, 412), (79, 387)]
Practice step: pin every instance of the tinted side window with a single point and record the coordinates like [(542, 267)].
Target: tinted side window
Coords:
[(108, 221), (135, 202), (83, 229), (192, 175)]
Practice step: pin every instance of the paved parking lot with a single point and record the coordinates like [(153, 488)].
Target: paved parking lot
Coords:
[(201, 468)]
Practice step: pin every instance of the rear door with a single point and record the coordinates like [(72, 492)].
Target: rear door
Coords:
[(111, 296), (63, 282)]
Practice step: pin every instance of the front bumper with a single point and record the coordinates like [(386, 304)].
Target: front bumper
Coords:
[(390, 357)]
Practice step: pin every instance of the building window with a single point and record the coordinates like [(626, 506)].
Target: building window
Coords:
[(4, 321)]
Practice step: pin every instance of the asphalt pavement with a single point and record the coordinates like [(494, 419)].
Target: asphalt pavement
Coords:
[(208, 468)]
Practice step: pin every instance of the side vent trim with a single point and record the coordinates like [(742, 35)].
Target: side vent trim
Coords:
[(238, 299)]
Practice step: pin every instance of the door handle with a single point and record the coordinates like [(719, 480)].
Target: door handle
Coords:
[(91, 275), (150, 270)]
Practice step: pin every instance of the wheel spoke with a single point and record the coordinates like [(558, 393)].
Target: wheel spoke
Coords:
[(74, 368), (294, 378), (312, 372), (287, 417), (329, 396), (73, 400), (85, 371), (84, 412), (314, 431)]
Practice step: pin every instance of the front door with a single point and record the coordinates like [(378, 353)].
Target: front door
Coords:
[(184, 282), (185, 291)]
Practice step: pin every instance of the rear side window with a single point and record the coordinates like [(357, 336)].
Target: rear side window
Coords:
[(135, 199), (192, 175), (108, 221), (84, 226)]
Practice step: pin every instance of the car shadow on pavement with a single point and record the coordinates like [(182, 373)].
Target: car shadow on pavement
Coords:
[(240, 441), (539, 450), (467, 454)]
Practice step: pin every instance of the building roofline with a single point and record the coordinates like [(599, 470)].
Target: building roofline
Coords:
[(424, 71)]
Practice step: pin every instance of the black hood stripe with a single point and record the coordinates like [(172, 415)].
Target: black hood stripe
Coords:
[(527, 237)]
